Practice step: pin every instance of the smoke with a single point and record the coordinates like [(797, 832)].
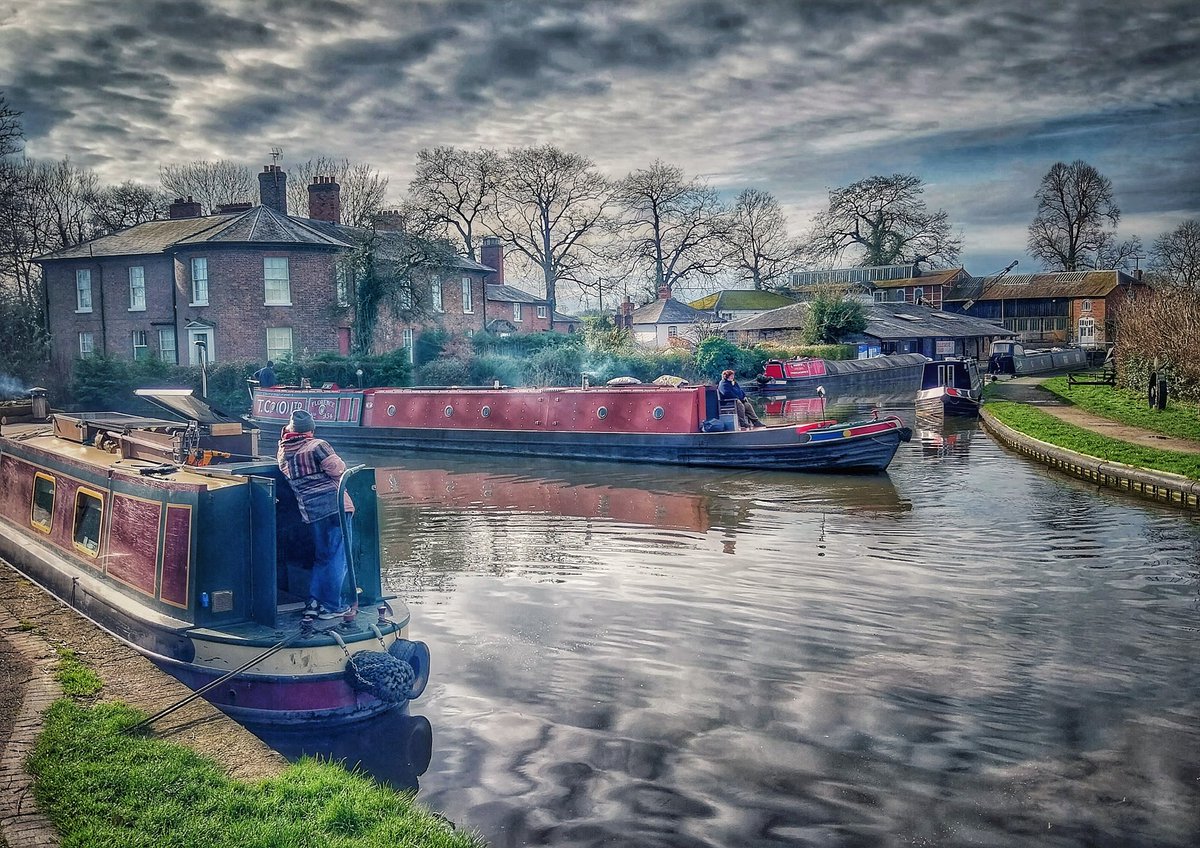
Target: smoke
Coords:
[(12, 388)]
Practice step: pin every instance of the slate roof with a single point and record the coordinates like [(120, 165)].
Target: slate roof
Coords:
[(352, 235), (508, 294), (669, 311), (263, 225), (140, 239), (884, 321), (1049, 284), (740, 300)]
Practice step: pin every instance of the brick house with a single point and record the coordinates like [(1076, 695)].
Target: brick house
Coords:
[(666, 322), (1051, 308), (512, 310), (248, 283)]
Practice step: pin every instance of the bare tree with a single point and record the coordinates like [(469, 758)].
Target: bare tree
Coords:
[(1075, 202), (1175, 256), (456, 189), (210, 183), (676, 227), (885, 220), (363, 188), (552, 206), (760, 249), (120, 206)]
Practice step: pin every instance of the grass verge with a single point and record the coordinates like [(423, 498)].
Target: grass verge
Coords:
[(77, 679), (1041, 425), (103, 789), (1178, 419)]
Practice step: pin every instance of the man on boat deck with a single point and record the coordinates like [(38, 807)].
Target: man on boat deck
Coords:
[(266, 375), (729, 390), (313, 470)]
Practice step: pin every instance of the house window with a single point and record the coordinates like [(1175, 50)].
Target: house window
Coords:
[(407, 336), (199, 282), (166, 344), (468, 306), (278, 284), (406, 297), (342, 284), (41, 511), (879, 296), (919, 294), (279, 343), (541, 312), (89, 509), (86, 343), (140, 349), (83, 290), (1086, 306), (137, 289), (516, 312), (436, 292), (672, 331)]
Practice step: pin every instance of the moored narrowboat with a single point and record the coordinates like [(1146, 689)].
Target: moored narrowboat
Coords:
[(181, 541), (1010, 357), (893, 374), (950, 387), (674, 425)]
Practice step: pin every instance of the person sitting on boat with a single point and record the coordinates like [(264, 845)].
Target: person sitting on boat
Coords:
[(266, 375), (729, 390), (313, 470)]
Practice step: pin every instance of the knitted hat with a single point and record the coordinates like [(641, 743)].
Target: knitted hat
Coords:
[(301, 422)]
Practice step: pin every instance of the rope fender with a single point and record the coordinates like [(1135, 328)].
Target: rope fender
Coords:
[(397, 675)]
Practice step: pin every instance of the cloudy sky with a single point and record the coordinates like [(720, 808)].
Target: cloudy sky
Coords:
[(792, 96)]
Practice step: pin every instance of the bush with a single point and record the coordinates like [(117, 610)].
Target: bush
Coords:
[(524, 344), (445, 372), (488, 368), (558, 365), (776, 350), (714, 355)]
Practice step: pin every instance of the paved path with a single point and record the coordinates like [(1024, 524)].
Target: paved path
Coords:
[(1029, 390)]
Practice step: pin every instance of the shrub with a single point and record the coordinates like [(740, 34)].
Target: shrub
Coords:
[(490, 367), (523, 344), (714, 355), (558, 365), (445, 372), (831, 317)]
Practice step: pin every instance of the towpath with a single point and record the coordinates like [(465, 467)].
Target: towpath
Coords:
[(1029, 390), (32, 626)]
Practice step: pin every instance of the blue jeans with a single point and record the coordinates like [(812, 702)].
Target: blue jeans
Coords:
[(329, 562)]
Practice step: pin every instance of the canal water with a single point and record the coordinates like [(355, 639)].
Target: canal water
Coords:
[(969, 650)]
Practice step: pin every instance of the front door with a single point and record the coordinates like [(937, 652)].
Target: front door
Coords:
[(196, 337), (1087, 332)]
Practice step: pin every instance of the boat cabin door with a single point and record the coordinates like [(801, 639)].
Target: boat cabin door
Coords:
[(946, 374)]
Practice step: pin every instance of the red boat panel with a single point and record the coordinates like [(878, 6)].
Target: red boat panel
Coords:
[(177, 555), (131, 554)]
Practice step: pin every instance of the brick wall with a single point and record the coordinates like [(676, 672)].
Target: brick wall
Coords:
[(390, 327)]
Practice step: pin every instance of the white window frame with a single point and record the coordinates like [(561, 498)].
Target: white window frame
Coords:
[(435, 291), (918, 294), (140, 335), (1086, 306), (467, 297), (166, 334), (516, 312), (83, 290), (282, 296), (541, 312), (278, 351), (137, 288), (408, 343), (199, 281), (86, 349), (672, 331)]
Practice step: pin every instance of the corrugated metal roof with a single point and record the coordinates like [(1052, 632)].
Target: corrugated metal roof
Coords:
[(932, 278), (1043, 285), (884, 321)]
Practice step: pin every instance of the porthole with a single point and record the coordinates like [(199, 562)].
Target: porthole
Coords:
[(391, 410), (485, 412), (659, 412), (448, 411), (602, 413)]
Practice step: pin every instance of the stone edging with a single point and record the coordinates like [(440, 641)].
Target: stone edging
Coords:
[(1153, 485)]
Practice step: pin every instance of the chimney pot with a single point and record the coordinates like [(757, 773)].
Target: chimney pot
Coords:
[(491, 253), (325, 200), (272, 189)]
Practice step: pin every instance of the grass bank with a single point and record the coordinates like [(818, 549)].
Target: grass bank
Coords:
[(1041, 425), (1179, 419), (104, 789)]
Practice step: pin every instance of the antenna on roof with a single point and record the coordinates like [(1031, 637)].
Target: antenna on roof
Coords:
[(276, 155)]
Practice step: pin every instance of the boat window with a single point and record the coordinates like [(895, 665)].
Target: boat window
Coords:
[(89, 507), (41, 513)]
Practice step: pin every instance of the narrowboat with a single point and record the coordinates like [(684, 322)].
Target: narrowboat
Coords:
[(894, 374), (950, 387), (674, 425), (177, 538), (1011, 357)]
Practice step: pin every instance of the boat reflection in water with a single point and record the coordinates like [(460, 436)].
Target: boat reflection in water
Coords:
[(691, 499), (946, 437), (394, 749)]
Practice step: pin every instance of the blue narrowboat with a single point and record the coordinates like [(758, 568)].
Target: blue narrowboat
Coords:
[(176, 537), (950, 387)]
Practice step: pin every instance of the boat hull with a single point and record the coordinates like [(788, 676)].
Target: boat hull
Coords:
[(940, 402)]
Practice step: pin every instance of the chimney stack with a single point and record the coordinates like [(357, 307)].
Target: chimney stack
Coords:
[(491, 254), (664, 292), (231, 208), (325, 200), (625, 317), (390, 220), (181, 208), (272, 188)]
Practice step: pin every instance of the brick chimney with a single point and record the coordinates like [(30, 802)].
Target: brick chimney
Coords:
[(491, 254), (625, 316), (272, 188), (230, 208), (181, 208), (325, 200), (664, 292), (390, 220)]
